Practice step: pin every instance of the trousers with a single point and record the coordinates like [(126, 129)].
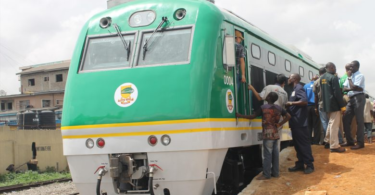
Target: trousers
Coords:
[(313, 124), (271, 158), (333, 129), (354, 108), (301, 140)]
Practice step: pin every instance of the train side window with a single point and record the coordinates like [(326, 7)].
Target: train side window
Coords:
[(301, 71), (270, 78), (310, 75), (255, 51), (258, 83), (271, 58), (288, 65)]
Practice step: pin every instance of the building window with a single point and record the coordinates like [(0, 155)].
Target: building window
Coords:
[(301, 71), (24, 104), (2, 106), (59, 78), (46, 103), (31, 82), (10, 106), (271, 58), (288, 65), (46, 78), (59, 102), (255, 51)]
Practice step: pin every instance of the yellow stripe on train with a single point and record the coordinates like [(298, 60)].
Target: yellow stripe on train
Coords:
[(160, 132), (156, 123)]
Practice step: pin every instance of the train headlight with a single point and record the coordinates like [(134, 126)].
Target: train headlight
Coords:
[(100, 142), (151, 17), (152, 140), (90, 143), (179, 14), (165, 140), (137, 19), (142, 18)]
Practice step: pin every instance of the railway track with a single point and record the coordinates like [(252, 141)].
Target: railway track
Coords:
[(20, 187)]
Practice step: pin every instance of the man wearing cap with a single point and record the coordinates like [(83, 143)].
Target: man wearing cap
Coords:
[(240, 59)]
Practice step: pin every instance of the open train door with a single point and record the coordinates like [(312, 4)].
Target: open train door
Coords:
[(241, 84), (241, 95)]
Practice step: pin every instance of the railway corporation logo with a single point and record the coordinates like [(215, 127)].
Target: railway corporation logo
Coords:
[(126, 94), (229, 100)]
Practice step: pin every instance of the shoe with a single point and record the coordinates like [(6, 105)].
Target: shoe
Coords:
[(339, 150), (347, 144), (356, 147), (326, 146), (296, 168), (308, 170), (262, 177), (276, 176)]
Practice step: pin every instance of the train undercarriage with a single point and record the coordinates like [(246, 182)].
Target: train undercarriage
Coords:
[(134, 173)]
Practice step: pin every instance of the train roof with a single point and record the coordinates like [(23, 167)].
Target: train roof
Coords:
[(259, 33)]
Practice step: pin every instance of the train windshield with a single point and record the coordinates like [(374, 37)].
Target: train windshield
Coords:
[(106, 53), (165, 47)]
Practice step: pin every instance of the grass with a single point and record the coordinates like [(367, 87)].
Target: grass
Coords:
[(29, 177)]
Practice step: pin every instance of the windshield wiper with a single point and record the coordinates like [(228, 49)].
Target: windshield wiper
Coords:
[(126, 46), (164, 20)]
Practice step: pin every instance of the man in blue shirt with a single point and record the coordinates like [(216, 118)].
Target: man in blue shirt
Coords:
[(297, 108), (354, 85), (313, 122)]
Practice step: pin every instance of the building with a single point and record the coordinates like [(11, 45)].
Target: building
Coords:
[(42, 88)]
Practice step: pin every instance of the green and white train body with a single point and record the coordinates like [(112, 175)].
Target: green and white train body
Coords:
[(178, 93)]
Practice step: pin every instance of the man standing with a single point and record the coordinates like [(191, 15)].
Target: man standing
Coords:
[(297, 108), (354, 85), (240, 59), (353, 127), (368, 114), (319, 107), (313, 122), (278, 88), (332, 104)]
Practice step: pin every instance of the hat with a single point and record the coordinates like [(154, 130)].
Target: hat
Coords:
[(239, 34)]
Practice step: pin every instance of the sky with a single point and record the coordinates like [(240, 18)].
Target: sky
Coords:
[(338, 31)]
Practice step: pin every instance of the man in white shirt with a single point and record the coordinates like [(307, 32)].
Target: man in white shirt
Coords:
[(278, 88), (355, 86)]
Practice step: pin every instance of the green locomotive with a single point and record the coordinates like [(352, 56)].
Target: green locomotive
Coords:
[(151, 99)]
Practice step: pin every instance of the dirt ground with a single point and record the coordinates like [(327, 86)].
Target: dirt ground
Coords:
[(352, 172)]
